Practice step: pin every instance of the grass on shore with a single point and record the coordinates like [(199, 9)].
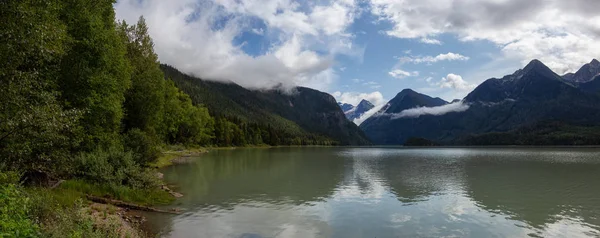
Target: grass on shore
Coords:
[(166, 158), (145, 197), (65, 211)]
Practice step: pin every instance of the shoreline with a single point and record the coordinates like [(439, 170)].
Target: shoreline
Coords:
[(167, 158)]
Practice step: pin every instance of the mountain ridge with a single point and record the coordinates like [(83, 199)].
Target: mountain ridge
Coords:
[(305, 113), (586, 73), (526, 97), (359, 110)]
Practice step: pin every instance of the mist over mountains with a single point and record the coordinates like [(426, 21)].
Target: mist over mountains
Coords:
[(533, 105), (354, 112)]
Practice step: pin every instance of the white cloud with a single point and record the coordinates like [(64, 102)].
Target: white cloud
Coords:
[(432, 59), (335, 18), (258, 31), (200, 38), (354, 97), (435, 111), (430, 41), (562, 34), (400, 74), (368, 114), (456, 82)]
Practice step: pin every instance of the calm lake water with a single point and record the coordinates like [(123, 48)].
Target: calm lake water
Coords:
[(387, 192)]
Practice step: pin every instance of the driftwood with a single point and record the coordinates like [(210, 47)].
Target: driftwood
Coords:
[(122, 204), (56, 184)]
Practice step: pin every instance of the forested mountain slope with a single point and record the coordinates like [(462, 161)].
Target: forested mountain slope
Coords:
[(302, 116)]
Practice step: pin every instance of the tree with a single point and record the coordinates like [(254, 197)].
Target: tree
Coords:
[(94, 72), (144, 100), (35, 131)]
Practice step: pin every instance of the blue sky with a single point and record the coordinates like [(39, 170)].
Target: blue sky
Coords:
[(368, 49)]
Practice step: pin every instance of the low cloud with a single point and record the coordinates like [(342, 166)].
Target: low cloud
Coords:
[(368, 114), (354, 97), (201, 38), (435, 111)]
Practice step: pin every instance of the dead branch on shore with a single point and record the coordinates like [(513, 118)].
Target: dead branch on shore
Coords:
[(122, 204)]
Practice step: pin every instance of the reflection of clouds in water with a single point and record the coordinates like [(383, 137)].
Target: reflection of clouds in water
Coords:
[(253, 221), (400, 218), (364, 184), (448, 192), (455, 209), (569, 227)]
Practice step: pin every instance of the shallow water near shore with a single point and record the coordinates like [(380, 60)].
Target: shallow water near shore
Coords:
[(386, 192)]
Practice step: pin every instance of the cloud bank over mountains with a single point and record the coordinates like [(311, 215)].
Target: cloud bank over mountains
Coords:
[(202, 38), (267, 43), (435, 111)]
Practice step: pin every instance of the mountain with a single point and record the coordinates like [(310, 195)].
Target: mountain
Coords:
[(592, 86), (408, 98), (359, 110), (531, 96), (381, 128), (585, 74), (303, 113), (345, 106)]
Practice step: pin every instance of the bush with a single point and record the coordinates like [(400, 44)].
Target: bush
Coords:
[(144, 148), (14, 213), (114, 166), (9, 177)]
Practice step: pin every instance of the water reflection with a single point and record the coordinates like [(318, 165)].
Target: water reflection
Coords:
[(554, 193), (387, 192)]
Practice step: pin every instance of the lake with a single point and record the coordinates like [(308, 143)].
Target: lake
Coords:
[(386, 192)]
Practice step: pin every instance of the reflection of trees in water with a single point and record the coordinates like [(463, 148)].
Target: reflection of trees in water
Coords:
[(536, 192), (282, 175)]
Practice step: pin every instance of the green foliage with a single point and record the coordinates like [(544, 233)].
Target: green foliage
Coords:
[(146, 196), (273, 117), (144, 101), (115, 167), (35, 131), (144, 148), (14, 213), (9, 177), (185, 123), (62, 213), (94, 72), (543, 133)]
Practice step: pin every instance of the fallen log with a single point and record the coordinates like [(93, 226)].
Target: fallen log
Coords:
[(122, 204), (56, 184)]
